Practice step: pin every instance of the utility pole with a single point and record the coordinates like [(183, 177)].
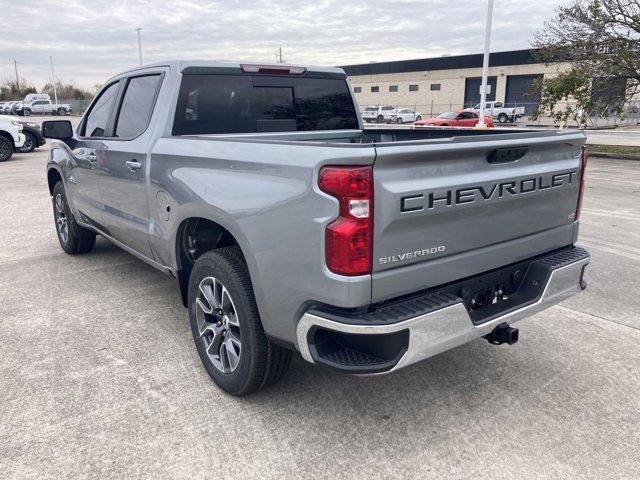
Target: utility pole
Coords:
[(53, 80), (485, 62), (15, 65), (139, 45), (280, 55)]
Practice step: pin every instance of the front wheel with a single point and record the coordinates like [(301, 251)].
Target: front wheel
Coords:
[(226, 326), (399, 120), (418, 118), (26, 112), (6, 149), (380, 119), (73, 238), (62, 112), (29, 143)]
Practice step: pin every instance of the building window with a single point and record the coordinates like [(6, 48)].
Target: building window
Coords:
[(413, 88), (393, 88), (375, 89), (357, 89), (435, 87)]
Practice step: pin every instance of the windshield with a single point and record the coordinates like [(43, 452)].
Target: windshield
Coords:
[(448, 115)]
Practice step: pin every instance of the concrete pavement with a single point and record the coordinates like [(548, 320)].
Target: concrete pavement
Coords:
[(100, 379)]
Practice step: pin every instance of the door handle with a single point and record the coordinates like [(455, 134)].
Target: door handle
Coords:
[(133, 165)]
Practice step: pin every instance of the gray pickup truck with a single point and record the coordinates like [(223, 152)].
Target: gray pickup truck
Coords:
[(290, 228)]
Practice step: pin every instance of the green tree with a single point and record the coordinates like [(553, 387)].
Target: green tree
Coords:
[(600, 39)]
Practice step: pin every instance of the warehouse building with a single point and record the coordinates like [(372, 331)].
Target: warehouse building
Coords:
[(434, 85)]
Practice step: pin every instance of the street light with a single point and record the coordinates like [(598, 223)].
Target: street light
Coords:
[(485, 63), (53, 81)]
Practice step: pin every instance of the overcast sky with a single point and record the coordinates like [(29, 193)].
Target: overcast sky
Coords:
[(90, 41)]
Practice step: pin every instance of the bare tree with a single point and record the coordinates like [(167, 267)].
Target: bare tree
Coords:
[(600, 39)]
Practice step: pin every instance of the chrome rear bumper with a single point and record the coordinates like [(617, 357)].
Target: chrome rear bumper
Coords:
[(448, 327)]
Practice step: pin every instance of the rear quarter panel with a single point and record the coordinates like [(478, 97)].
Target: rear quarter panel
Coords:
[(265, 194)]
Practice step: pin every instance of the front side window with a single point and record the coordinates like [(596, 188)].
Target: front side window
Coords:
[(96, 123), (137, 105)]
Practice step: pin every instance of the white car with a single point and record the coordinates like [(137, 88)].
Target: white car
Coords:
[(378, 113), (11, 136), (45, 106), (497, 111), (406, 115)]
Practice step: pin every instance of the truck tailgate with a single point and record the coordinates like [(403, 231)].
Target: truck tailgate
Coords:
[(445, 210)]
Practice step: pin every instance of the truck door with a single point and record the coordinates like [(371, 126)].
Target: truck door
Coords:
[(122, 183), (87, 157)]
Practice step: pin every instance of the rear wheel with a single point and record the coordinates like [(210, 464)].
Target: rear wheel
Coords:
[(6, 149), (418, 118), (29, 143), (62, 111), (73, 238), (503, 118), (226, 326), (26, 112)]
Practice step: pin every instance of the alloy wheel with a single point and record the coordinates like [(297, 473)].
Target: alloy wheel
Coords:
[(28, 144), (218, 325), (61, 219)]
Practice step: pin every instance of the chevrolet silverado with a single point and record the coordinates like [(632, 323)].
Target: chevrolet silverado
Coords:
[(291, 228)]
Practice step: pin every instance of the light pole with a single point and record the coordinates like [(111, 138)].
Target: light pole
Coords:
[(485, 63), (139, 44), (53, 81)]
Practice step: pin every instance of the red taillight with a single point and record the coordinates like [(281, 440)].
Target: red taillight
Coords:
[(348, 239), (583, 167)]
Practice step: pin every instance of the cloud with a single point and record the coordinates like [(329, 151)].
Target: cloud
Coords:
[(90, 41)]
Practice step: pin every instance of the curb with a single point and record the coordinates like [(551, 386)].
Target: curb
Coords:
[(618, 156)]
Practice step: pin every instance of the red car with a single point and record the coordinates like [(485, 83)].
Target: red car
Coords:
[(463, 118)]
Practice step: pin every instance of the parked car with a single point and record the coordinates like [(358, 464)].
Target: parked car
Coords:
[(32, 137), (11, 136), (496, 110), (7, 108), (44, 107), (463, 118), (16, 108), (378, 113), (264, 214), (404, 115)]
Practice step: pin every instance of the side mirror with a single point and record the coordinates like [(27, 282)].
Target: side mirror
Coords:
[(58, 129)]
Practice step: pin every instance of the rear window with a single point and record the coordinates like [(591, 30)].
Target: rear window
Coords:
[(219, 104)]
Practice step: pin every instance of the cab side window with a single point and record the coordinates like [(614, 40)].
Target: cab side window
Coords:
[(96, 123), (137, 106)]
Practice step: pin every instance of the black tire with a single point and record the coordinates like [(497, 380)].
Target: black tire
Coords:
[(503, 118), (77, 239), (62, 112), (261, 362), (26, 112), (380, 119), (399, 120), (29, 143), (418, 118), (6, 148)]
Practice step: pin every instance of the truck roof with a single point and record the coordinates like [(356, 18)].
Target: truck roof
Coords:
[(181, 65)]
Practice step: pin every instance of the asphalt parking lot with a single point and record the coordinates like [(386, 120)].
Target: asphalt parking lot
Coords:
[(99, 377)]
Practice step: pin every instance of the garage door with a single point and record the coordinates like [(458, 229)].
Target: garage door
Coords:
[(472, 91), (522, 91)]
